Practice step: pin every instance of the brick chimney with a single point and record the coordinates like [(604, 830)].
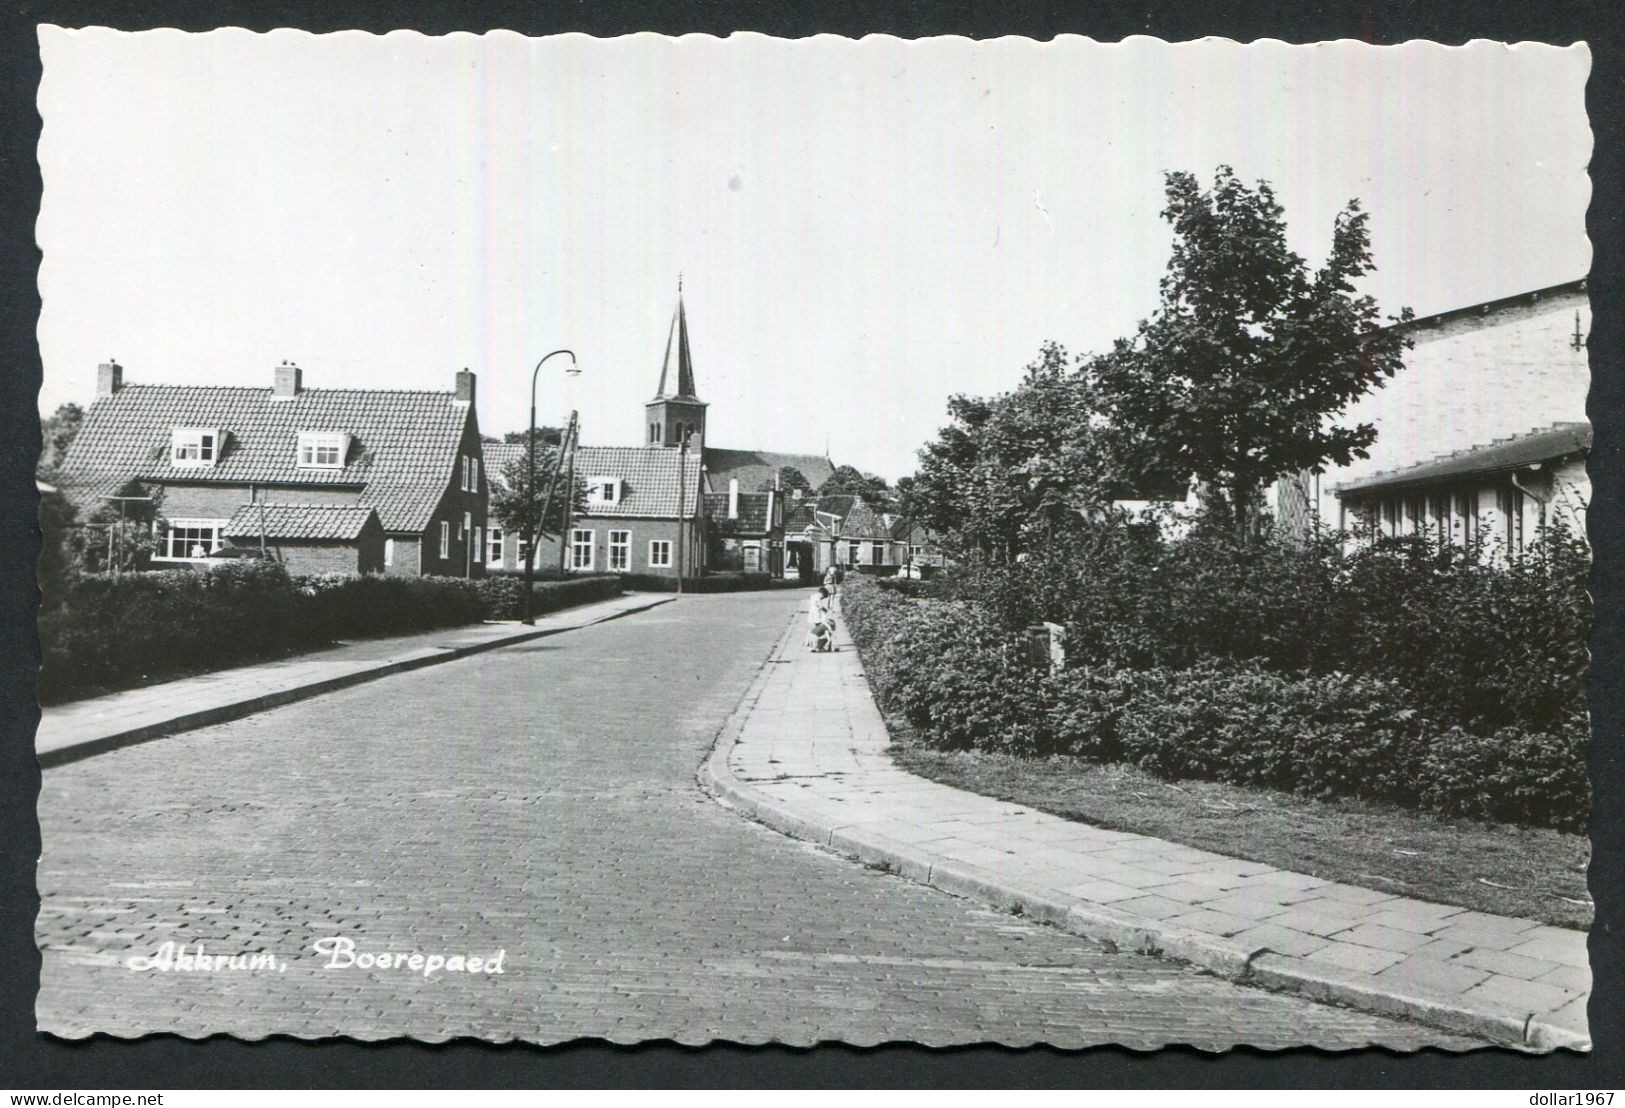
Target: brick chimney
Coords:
[(287, 382), (109, 379), (733, 498), (465, 387)]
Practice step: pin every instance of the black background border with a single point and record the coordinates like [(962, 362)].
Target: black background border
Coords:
[(31, 1061)]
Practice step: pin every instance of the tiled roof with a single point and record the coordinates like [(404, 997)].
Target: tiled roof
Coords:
[(649, 476), (863, 522), (403, 445), (755, 469), (340, 522), (1560, 440), (752, 518)]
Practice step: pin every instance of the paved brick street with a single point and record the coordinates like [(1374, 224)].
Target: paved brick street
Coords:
[(561, 823)]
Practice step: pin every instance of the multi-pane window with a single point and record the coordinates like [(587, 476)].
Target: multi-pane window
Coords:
[(1467, 515), (603, 490), (620, 551), (188, 539), (322, 449), (477, 545), (493, 554), (1509, 502), (852, 552), (193, 446), (580, 549), (474, 481), (445, 539), (659, 553)]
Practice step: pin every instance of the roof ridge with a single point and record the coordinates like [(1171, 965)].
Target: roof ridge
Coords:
[(302, 392)]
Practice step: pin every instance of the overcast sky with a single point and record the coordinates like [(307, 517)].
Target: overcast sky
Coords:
[(863, 227)]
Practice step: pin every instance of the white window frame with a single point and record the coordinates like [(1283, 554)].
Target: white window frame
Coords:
[(523, 551), (854, 552), (659, 562), (187, 446), (445, 538), (576, 545), (218, 526), (312, 444), (478, 543), (623, 547), (596, 486), (389, 552), (493, 549), (474, 481)]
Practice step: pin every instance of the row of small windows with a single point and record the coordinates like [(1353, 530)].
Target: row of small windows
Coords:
[(1453, 515), (580, 554)]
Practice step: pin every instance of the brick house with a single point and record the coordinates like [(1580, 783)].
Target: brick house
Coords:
[(635, 521), (746, 530), (1483, 374), (358, 480)]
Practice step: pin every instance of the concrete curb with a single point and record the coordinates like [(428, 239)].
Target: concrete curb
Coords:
[(191, 721), (1223, 957)]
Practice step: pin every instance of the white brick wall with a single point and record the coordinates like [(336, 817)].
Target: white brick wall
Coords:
[(1471, 380)]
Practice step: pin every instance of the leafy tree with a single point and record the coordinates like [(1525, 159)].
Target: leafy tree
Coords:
[(511, 504), (1014, 465), (790, 479), (57, 432), (848, 480), (550, 436), (1241, 374)]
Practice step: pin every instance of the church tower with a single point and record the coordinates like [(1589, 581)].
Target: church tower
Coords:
[(673, 414)]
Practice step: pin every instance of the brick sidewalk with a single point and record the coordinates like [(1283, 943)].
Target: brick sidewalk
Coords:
[(79, 729), (805, 754)]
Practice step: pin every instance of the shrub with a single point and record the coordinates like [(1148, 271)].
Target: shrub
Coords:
[(1514, 776), (1475, 643), (948, 669), (502, 597), (346, 606), (711, 582), (112, 632)]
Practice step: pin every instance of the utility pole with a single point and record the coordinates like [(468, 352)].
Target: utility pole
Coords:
[(530, 484), (569, 493), (682, 504)]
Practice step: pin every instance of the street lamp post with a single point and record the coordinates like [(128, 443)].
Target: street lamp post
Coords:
[(530, 484)]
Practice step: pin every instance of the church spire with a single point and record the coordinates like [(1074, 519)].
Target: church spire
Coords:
[(678, 365)]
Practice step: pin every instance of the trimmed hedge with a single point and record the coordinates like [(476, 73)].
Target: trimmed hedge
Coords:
[(1475, 642), (961, 682), (114, 632), (346, 606), (502, 597), (711, 582)]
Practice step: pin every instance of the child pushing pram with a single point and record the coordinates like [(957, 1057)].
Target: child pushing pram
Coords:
[(820, 623)]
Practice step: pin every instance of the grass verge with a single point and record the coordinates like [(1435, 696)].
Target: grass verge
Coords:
[(1508, 871)]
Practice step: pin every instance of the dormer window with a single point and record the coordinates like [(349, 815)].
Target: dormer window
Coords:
[(604, 490), (323, 449), (194, 446)]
